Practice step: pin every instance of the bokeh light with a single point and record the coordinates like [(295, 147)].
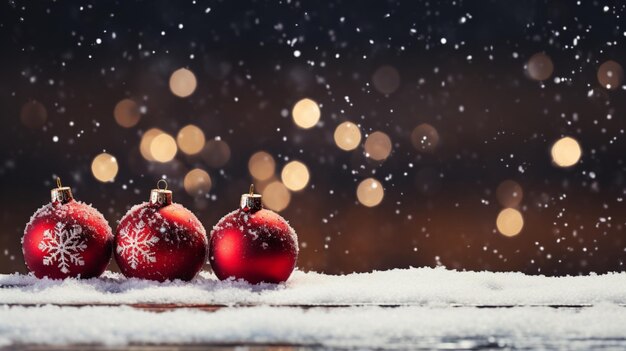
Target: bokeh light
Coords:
[(216, 153), (386, 79), (163, 148), (146, 141), (610, 75), (566, 152), (104, 167), (127, 113), (183, 82), (370, 192), (295, 175), (276, 196), (306, 113), (425, 138), (197, 182), (347, 136), (378, 146), (33, 114), (539, 66), (190, 139), (466, 127), (509, 193), (262, 165), (510, 222)]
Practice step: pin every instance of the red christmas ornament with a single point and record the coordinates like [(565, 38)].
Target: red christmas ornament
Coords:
[(160, 240), (67, 238), (253, 244)]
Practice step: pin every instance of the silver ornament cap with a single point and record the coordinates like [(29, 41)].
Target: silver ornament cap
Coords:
[(161, 196), (251, 202), (61, 194)]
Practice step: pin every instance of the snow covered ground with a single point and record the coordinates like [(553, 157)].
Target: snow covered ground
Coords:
[(416, 286), (424, 308)]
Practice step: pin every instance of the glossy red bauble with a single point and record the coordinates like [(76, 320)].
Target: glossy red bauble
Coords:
[(253, 244), (160, 240), (67, 238)]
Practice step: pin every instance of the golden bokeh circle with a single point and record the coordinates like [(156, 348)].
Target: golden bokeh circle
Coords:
[(33, 114), (104, 167), (610, 75), (306, 113), (539, 66), (127, 113), (276, 196), (190, 139), (510, 222), (197, 182), (566, 152), (425, 138), (295, 175), (183, 82), (163, 148), (146, 140), (378, 146), (347, 136), (509, 193), (261, 165), (370, 192)]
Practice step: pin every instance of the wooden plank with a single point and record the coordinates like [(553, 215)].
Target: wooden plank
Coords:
[(162, 307), (163, 347)]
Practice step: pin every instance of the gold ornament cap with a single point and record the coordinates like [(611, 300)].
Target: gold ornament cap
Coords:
[(251, 202), (61, 194), (161, 196)]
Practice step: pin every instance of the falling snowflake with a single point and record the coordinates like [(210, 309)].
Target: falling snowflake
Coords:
[(135, 243), (63, 246)]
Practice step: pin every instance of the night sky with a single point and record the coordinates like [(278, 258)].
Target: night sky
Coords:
[(499, 82)]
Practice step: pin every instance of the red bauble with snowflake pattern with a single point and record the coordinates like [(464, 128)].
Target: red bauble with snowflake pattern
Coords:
[(160, 240), (67, 238), (253, 244)]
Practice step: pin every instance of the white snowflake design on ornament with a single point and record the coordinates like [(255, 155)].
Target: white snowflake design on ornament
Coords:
[(63, 246), (135, 243)]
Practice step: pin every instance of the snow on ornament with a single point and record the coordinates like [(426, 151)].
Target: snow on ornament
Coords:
[(67, 238), (160, 240), (253, 244)]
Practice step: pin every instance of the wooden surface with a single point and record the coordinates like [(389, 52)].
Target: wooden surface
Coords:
[(163, 307), (194, 347)]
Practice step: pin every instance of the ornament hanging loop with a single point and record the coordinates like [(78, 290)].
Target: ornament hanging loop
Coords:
[(59, 185), (162, 181)]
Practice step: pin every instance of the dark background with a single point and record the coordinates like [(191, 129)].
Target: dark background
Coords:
[(441, 211)]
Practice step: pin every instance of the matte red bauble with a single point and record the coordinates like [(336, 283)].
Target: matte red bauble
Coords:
[(67, 238), (160, 240), (253, 244)]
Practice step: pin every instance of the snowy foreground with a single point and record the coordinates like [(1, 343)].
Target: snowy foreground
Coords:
[(416, 286), (412, 308)]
